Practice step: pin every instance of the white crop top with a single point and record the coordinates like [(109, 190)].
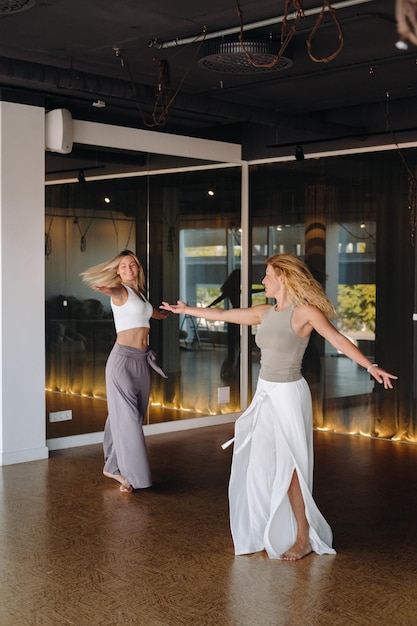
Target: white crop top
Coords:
[(134, 313)]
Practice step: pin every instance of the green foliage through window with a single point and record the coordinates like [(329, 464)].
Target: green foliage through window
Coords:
[(356, 308)]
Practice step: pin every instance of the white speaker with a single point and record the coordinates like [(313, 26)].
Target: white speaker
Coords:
[(58, 131)]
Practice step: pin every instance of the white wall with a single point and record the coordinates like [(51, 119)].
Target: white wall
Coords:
[(22, 329)]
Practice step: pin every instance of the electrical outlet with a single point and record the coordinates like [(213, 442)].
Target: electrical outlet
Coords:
[(60, 416), (223, 395)]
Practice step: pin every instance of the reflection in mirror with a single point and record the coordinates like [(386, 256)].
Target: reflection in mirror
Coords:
[(319, 211), (189, 243)]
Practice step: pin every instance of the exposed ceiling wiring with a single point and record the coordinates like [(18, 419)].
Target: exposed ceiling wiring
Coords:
[(164, 97)]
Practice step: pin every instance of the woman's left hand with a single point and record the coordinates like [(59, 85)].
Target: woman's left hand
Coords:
[(382, 377)]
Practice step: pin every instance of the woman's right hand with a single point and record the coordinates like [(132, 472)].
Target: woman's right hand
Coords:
[(174, 308)]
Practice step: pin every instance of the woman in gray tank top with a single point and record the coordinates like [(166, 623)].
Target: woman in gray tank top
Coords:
[(270, 489)]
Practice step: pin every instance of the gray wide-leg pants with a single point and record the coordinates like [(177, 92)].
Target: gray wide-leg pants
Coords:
[(128, 382)]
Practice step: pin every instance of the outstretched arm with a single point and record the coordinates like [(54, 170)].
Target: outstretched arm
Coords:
[(159, 315), (247, 317), (321, 324), (118, 294), (110, 291)]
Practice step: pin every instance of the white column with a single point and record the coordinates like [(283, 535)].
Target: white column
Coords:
[(22, 301), (245, 278)]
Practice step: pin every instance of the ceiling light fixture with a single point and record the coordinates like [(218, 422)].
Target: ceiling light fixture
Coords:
[(15, 6), (227, 55)]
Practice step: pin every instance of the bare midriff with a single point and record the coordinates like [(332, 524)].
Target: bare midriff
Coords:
[(134, 337)]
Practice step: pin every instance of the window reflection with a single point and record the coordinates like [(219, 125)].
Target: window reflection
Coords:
[(210, 277), (304, 209), (190, 243), (325, 211)]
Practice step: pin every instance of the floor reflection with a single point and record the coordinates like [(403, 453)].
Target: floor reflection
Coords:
[(284, 593)]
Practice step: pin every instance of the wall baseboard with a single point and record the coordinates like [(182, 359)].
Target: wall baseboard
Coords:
[(73, 441), (24, 456)]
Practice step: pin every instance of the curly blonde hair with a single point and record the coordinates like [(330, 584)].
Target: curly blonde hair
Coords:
[(301, 284), (106, 275)]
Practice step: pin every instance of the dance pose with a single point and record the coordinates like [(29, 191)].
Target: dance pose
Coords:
[(128, 377), (270, 489)]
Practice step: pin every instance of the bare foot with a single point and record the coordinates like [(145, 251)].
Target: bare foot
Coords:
[(125, 487), (299, 550)]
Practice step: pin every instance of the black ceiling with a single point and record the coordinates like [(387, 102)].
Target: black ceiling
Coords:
[(141, 58)]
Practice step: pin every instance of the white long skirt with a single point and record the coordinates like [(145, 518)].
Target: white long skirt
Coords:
[(274, 437)]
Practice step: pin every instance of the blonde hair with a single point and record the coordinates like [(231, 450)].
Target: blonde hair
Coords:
[(105, 274), (301, 284)]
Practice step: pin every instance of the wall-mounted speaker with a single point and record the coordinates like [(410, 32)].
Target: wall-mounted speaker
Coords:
[(58, 131)]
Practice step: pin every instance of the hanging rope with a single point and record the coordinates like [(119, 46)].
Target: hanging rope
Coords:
[(129, 235), (331, 57), (172, 233), (412, 180), (48, 245), (163, 94), (406, 15), (163, 117), (285, 37), (48, 239), (83, 241), (163, 98), (115, 229), (412, 204)]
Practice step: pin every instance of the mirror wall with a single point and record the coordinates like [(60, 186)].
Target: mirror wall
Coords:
[(342, 215)]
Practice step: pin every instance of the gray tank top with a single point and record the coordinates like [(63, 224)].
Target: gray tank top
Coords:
[(282, 350)]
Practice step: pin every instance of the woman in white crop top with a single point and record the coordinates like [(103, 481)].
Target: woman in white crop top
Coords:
[(270, 489), (127, 369)]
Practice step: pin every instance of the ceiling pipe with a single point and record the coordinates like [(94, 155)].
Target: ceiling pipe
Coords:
[(160, 45)]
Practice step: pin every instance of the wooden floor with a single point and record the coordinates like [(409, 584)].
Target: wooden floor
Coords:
[(75, 551)]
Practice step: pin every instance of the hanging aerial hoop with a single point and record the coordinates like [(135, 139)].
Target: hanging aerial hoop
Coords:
[(331, 57)]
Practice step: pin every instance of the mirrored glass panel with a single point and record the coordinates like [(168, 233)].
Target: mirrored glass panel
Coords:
[(185, 229), (323, 213)]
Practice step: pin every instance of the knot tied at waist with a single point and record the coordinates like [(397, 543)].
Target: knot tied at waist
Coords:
[(253, 409), (138, 353), (151, 358)]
